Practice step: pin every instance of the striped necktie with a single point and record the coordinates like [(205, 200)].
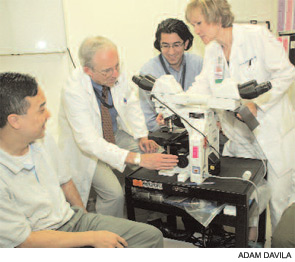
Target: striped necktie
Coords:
[(107, 126)]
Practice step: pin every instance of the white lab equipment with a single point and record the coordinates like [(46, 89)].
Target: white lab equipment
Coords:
[(197, 115)]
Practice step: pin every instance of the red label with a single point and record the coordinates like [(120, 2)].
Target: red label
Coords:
[(136, 182), (195, 152)]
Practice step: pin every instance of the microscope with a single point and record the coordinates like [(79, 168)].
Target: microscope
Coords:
[(197, 145)]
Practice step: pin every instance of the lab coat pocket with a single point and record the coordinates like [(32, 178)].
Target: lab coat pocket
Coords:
[(123, 105), (260, 116), (268, 132), (248, 69), (283, 158)]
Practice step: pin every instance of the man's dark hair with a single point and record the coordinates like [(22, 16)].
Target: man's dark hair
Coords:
[(14, 88), (172, 25)]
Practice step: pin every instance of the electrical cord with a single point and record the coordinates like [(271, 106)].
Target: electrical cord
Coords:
[(209, 239), (247, 180), (70, 55)]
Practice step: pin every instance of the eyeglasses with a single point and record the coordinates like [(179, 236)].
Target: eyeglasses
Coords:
[(174, 45), (109, 71)]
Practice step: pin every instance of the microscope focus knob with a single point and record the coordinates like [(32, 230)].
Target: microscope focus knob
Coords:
[(182, 161)]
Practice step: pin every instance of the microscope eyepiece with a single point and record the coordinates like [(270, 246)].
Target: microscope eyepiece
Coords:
[(144, 82), (252, 90), (137, 79)]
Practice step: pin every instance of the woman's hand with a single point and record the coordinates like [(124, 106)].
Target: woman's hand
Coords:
[(252, 107)]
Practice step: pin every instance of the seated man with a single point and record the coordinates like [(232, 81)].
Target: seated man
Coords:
[(284, 234), (102, 126), (34, 211), (172, 39)]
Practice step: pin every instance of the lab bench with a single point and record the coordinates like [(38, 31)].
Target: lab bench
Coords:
[(224, 191)]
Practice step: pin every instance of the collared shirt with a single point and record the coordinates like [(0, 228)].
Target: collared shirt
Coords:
[(112, 110), (31, 198), (154, 67)]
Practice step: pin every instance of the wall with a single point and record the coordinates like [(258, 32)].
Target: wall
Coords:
[(51, 72), (131, 24), (34, 31), (260, 10)]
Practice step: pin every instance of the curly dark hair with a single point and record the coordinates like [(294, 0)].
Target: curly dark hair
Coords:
[(172, 25)]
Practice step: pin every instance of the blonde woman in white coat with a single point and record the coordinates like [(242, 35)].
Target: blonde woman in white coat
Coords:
[(250, 52), (90, 156)]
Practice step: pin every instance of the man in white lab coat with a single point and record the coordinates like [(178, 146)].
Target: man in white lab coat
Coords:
[(83, 138)]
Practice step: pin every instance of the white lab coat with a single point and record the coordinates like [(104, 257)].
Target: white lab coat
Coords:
[(276, 132), (81, 136)]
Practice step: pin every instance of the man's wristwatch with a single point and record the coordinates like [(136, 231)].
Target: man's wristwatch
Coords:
[(137, 159)]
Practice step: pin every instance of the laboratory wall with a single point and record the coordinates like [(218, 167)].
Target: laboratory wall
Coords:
[(131, 24)]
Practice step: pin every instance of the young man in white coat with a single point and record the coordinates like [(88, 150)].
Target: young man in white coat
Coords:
[(89, 149)]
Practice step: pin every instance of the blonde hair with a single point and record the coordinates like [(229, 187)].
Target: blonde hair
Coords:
[(214, 11), (89, 48)]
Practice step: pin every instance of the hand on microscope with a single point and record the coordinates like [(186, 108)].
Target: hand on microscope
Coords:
[(160, 120), (148, 146), (158, 161), (153, 161), (252, 108)]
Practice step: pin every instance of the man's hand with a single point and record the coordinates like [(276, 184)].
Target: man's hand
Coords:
[(148, 146), (61, 239), (158, 161), (160, 120), (72, 195), (106, 239)]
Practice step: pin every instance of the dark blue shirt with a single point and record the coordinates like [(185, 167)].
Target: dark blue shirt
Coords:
[(112, 110)]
